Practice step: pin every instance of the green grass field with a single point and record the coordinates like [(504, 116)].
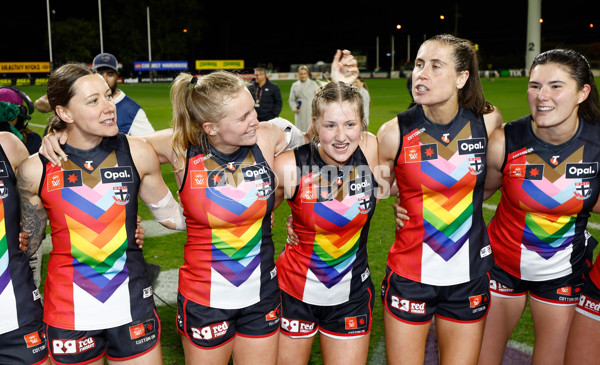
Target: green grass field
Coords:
[(388, 97)]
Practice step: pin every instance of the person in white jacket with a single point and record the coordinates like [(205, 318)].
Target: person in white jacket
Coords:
[(301, 96)]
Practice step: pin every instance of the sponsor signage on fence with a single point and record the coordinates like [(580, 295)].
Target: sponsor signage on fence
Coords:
[(24, 67), (219, 64), (161, 65)]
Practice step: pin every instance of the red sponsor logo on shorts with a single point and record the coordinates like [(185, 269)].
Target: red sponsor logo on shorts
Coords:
[(357, 322), (142, 329), (272, 315), (589, 304), (409, 306), (32, 339), (297, 326), (565, 290), (211, 331), (72, 347), (478, 300)]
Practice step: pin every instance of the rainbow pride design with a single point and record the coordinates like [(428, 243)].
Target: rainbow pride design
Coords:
[(96, 225), (4, 255), (447, 185), (338, 225), (548, 232), (236, 216)]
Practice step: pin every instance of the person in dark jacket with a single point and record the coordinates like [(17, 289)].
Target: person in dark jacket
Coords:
[(267, 96)]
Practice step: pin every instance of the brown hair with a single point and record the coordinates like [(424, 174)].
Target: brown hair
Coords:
[(471, 96), (60, 89)]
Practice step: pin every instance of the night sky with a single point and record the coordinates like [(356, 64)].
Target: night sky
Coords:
[(311, 31)]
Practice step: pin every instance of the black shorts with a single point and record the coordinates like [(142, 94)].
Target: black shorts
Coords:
[(208, 327), (347, 320), (25, 345), (416, 303), (120, 343), (561, 291)]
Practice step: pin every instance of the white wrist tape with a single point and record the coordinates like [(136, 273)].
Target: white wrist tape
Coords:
[(168, 209)]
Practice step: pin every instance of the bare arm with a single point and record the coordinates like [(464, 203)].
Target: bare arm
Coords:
[(492, 121), (153, 191), (388, 138), (33, 214), (495, 159)]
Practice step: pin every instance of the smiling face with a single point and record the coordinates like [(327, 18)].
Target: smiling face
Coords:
[(91, 113), (554, 99), (238, 127), (434, 79), (339, 129)]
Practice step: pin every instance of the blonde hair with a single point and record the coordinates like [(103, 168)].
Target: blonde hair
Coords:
[(199, 100)]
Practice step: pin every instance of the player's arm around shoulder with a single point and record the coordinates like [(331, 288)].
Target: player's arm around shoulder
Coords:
[(492, 121), (161, 142), (388, 142), (270, 140), (153, 191), (494, 161), (286, 173)]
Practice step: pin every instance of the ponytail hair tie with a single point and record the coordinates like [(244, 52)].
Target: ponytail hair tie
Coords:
[(193, 82)]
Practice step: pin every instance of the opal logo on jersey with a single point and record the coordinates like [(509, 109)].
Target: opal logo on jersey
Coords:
[(72, 347), (582, 170), (210, 332), (121, 174), (471, 146), (256, 172), (297, 325), (359, 185), (408, 306)]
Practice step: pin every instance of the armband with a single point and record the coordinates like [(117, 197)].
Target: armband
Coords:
[(167, 209)]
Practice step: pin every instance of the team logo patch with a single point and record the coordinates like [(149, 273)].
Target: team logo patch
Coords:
[(211, 331), (354, 323), (475, 146), (64, 179), (3, 190), (263, 189), (420, 153), (583, 190), (142, 329), (121, 195), (121, 174), (475, 165), (583, 170), (72, 347)]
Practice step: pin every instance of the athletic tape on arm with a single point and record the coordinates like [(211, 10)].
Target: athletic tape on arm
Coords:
[(168, 209)]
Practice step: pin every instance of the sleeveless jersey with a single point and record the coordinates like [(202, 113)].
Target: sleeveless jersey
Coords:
[(19, 298), (548, 192), (96, 273), (440, 173), (332, 208), (227, 202)]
